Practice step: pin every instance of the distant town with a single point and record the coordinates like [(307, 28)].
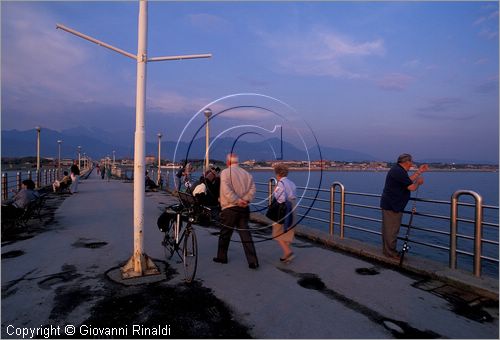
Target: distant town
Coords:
[(27, 163)]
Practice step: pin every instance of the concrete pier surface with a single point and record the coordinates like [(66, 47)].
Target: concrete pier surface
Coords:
[(59, 281)]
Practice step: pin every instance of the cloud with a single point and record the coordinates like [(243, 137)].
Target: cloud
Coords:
[(491, 16), (488, 34), (208, 22), (444, 108), (488, 25), (489, 85), (320, 52), (394, 82), (413, 63), (38, 60), (481, 61), (172, 102), (247, 114)]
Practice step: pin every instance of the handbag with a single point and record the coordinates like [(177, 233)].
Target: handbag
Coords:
[(276, 211)]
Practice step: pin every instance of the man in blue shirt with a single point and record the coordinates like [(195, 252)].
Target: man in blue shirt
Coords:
[(396, 194)]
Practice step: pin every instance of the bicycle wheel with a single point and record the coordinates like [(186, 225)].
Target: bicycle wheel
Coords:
[(169, 240), (190, 254)]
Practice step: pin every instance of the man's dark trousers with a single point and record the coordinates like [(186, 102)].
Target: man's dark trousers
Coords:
[(236, 217)]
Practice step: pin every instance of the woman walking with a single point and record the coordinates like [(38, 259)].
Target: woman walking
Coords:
[(285, 192)]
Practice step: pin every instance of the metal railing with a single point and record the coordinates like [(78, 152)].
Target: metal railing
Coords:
[(432, 236), (13, 181)]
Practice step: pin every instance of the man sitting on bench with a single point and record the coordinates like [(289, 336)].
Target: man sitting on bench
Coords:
[(15, 206)]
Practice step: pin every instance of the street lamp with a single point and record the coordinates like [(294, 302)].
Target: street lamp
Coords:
[(113, 158), (159, 159), (207, 113), (59, 163), (37, 156), (79, 153)]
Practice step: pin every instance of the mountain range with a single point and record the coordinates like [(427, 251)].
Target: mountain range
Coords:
[(98, 144)]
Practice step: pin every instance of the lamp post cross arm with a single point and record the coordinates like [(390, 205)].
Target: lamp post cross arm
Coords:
[(128, 54), (98, 42)]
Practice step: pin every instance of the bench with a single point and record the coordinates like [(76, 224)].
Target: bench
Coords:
[(33, 210)]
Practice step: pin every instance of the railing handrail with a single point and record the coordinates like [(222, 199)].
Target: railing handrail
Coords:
[(477, 229), (453, 218)]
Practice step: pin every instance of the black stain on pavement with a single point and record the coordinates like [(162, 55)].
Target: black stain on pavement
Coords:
[(12, 254), (403, 331), (367, 271)]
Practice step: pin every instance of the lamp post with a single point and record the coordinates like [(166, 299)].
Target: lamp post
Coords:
[(207, 113), (79, 157), (38, 156), (139, 264), (59, 162), (159, 159), (113, 158)]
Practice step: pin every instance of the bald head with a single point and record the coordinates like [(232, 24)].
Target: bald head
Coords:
[(231, 159)]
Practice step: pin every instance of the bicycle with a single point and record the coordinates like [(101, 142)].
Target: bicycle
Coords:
[(180, 236)]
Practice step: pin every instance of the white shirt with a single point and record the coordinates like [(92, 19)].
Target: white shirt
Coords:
[(200, 189), (285, 190)]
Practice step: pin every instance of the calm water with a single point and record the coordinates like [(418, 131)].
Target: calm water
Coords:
[(437, 186)]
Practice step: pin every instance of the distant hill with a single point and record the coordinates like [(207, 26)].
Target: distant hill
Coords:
[(98, 144)]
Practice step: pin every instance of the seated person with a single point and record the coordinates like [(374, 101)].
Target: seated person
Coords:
[(200, 190), (15, 206), (63, 184), (213, 190), (150, 184)]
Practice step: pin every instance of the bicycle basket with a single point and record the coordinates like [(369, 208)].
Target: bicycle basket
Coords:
[(168, 215)]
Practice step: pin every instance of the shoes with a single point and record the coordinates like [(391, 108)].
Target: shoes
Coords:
[(253, 265), (394, 256), (218, 260), (288, 258)]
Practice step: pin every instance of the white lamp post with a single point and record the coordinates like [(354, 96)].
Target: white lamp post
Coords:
[(159, 159), (79, 157), (59, 163), (38, 156), (207, 113), (139, 264)]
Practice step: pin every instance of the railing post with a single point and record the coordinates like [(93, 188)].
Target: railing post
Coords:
[(332, 207), (270, 189), (38, 182), (45, 175), (5, 188), (18, 180), (478, 233)]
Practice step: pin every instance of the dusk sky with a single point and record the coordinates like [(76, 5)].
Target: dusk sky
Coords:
[(381, 78)]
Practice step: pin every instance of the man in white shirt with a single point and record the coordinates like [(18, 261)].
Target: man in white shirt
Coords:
[(237, 190)]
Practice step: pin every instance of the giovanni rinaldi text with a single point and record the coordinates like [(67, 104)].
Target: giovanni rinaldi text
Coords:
[(86, 330)]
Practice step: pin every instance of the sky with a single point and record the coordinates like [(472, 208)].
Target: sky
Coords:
[(383, 78)]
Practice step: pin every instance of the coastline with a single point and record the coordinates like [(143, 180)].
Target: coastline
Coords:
[(367, 170)]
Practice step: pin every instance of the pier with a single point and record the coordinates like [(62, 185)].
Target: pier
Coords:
[(59, 275)]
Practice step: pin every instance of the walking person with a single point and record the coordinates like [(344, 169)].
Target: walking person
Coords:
[(75, 176), (285, 192), (395, 196), (108, 172), (236, 192)]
